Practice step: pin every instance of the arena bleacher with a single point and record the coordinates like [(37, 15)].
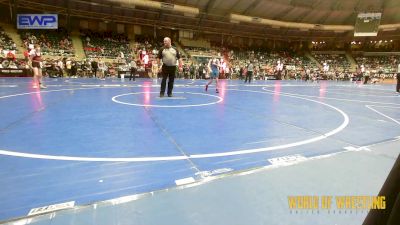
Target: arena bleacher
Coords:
[(384, 64), (335, 61), (6, 43), (52, 42), (107, 44)]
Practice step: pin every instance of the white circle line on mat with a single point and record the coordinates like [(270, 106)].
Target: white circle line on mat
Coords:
[(195, 156), (114, 99)]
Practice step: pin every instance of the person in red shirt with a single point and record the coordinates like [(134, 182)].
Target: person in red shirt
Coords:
[(26, 54), (10, 56)]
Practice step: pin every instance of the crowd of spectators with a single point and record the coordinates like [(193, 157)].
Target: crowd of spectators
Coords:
[(107, 44), (6, 43), (336, 62), (52, 42)]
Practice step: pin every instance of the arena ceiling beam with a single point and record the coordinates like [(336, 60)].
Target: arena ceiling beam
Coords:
[(207, 8), (141, 21), (383, 4), (351, 18), (252, 6), (13, 9), (209, 5), (357, 7), (182, 22), (300, 18), (159, 6), (37, 7), (234, 5), (207, 29), (285, 12), (334, 5), (315, 4)]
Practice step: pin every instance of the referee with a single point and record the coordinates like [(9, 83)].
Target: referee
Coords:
[(398, 80), (169, 56)]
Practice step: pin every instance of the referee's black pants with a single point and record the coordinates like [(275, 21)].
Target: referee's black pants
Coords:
[(366, 78), (132, 73), (167, 72), (249, 75), (398, 83)]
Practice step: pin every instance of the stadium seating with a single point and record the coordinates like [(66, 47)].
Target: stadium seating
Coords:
[(52, 42), (106, 44), (386, 64), (335, 61), (6, 43)]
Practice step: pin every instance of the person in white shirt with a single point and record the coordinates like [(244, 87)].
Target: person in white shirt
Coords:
[(279, 69), (361, 74), (154, 69), (102, 69), (308, 74), (60, 66), (68, 65), (326, 68)]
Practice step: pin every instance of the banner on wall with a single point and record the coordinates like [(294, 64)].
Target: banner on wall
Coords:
[(37, 21)]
